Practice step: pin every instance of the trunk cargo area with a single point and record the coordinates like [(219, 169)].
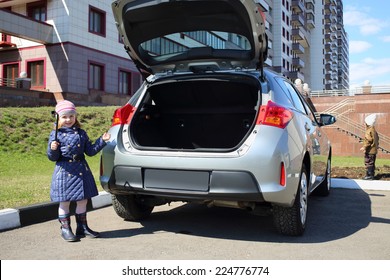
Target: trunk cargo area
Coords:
[(194, 114)]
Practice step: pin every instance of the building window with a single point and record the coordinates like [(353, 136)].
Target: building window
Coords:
[(136, 81), (129, 82), (97, 21), (35, 71), (96, 76), (37, 10), (124, 82), (10, 73)]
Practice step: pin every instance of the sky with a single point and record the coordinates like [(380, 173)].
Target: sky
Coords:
[(368, 26)]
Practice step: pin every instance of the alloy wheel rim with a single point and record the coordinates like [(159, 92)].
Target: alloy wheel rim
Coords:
[(303, 198), (328, 174)]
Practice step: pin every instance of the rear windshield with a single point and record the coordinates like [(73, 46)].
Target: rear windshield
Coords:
[(183, 42)]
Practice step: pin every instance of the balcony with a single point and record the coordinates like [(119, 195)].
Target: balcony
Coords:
[(297, 34), (328, 67), (298, 62), (327, 18), (330, 9), (297, 6), (328, 57), (330, 27), (6, 44), (298, 19), (310, 23), (23, 27), (293, 75), (297, 48), (9, 3)]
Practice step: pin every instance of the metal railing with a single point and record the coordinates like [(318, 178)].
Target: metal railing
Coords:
[(350, 92), (4, 82)]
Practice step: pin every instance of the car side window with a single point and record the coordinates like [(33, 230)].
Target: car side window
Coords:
[(283, 97), (295, 97)]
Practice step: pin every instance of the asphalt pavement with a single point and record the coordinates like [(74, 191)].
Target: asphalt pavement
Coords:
[(11, 218)]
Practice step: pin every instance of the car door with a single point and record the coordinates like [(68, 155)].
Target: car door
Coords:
[(318, 143)]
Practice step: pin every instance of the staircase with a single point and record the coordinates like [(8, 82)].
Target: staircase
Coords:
[(345, 124)]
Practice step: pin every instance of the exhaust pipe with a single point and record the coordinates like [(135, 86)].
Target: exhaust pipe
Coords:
[(232, 204)]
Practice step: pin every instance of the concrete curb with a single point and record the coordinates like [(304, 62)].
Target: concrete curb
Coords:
[(14, 218), (38, 213), (375, 185)]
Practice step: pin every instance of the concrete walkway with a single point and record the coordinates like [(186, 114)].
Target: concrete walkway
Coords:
[(14, 218)]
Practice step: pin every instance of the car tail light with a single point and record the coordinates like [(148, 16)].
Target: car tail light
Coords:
[(274, 115), (282, 180), (123, 115)]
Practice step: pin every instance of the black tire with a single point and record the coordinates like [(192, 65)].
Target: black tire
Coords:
[(292, 220), (324, 188), (131, 207)]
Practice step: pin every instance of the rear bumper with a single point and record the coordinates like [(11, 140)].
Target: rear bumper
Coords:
[(185, 184), (249, 174)]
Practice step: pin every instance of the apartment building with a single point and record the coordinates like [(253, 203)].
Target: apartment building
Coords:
[(309, 42), (74, 47), (65, 47)]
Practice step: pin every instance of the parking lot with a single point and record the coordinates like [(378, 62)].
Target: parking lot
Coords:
[(350, 224)]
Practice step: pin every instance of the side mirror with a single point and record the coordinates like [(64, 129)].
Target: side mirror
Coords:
[(327, 119)]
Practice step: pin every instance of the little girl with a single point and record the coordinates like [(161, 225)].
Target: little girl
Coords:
[(72, 178)]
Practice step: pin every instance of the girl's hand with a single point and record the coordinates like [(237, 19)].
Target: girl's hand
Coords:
[(54, 145), (106, 136)]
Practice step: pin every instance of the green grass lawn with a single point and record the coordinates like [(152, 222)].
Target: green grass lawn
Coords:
[(25, 179), (357, 161)]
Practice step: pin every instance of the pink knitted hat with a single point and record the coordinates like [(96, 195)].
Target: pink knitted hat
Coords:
[(65, 106)]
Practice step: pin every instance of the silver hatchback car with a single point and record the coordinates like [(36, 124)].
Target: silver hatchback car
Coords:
[(209, 124)]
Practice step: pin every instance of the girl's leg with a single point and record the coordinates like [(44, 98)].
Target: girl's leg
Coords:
[(81, 206), (64, 219), (81, 219), (63, 209)]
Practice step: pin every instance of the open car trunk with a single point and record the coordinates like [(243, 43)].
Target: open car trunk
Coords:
[(215, 114)]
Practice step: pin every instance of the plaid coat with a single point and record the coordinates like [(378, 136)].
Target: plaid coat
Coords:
[(72, 178)]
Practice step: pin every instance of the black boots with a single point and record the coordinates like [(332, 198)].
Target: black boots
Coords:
[(82, 227), (370, 173), (66, 230)]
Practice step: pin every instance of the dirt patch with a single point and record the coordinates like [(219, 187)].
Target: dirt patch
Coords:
[(381, 173)]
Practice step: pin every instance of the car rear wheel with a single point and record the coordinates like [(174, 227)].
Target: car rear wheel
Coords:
[(131, 207), (292, 220)]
